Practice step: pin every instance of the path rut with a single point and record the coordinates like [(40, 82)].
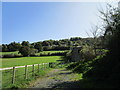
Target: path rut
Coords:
[(55, 78)]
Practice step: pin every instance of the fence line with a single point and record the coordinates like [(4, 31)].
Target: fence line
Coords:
[(19, 67), (26, 70), (26, 73), (13, 76)]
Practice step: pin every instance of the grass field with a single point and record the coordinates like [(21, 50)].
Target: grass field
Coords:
[(43, 52), (4, 53), (10, 62), (51, 51), (20, 81), (20, 72)]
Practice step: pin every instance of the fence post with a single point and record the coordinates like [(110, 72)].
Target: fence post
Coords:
[(43, 66), (13, 76), (49, 64), (33, 70), (38, 67), (25, 71)]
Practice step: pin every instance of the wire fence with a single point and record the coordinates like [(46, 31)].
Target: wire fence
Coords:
[(21, 75)]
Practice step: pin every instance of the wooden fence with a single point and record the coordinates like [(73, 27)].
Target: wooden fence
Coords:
[(26, 70)]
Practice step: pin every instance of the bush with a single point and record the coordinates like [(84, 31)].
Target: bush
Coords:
[(47, 48), (72, 65), (87, 53), (11, 56), (8, 56), (27, 51), (53, 54), (58, 54), (61, 48), (67, 57), (33, 51)]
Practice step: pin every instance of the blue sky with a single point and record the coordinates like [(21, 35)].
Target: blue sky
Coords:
[(30, 21)]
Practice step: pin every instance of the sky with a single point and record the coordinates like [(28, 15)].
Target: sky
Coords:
[(38, 21)]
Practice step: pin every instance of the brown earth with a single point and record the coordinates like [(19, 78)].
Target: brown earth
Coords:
[(58, 78)]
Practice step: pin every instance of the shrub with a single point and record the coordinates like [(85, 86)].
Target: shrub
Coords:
[(46, 48), (53, 54), (67, 57), (87, 53), (72, 65), (11, 56), (61, 48), (33, 51), (8, 56), (27, 51)]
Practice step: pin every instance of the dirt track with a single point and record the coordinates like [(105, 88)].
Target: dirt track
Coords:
[(57, 78)]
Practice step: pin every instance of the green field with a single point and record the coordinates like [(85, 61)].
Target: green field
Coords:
[(4, 53), (20, 81), (20, 72), (50, 52), (43, 52), (10, 62), (46, 52)]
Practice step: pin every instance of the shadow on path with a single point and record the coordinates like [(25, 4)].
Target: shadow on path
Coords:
[(65, 73), (58, 78), (68, 85)]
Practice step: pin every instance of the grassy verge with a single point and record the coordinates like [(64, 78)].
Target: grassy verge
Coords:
[(20, 81), (10, 62)]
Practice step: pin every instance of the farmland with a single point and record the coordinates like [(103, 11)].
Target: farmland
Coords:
[(22, 61), (43, 52), (10, 62), (4, 53)]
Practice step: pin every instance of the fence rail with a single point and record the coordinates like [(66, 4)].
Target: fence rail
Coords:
[(19, 66), (21, 74), (26, 72)]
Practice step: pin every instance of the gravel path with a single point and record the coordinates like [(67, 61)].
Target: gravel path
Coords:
[(57, 78)]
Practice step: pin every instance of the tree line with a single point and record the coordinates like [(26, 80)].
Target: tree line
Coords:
[(26, 48)]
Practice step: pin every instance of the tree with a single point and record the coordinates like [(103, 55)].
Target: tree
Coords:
[(25, 43), (96, 40), (25, 51), (45, 43), (111, 18), (4, 47), (33, 51), (0, 48), (38, 46), (56, 42), (106, 69), (13, 46), (75, 38)]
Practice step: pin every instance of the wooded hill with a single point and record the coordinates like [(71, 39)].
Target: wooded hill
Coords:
[(63, 44)]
